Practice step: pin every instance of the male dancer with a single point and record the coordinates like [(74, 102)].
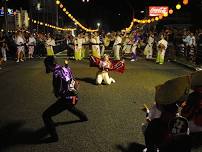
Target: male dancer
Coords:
[(66, 90)]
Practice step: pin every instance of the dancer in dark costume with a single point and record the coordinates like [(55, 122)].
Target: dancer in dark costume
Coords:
[(66, 90)]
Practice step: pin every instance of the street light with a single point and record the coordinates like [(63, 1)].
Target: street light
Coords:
[(98, 25), (85, 1)]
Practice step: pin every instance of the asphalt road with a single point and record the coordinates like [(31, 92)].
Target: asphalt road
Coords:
[(114, 111)]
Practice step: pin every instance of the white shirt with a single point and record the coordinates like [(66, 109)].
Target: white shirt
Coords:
[(32, 41), (118, 40), (50, 42), (19, 40), (164, 42)]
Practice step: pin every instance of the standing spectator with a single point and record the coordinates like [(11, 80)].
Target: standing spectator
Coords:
[(31, 45), (20, 42)]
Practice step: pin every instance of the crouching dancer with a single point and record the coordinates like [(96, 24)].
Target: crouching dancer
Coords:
[(102, 74), (66, 90)]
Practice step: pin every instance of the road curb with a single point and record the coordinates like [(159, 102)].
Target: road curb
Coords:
[(185, 65)]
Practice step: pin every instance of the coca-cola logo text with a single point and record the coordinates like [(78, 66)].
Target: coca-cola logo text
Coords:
[(157, 10)]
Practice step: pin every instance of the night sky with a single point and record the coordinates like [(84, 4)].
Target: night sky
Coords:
[(112, 14)]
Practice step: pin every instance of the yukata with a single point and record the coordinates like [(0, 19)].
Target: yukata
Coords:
[(31, 45), (127, 46), (102, 74), (78, 48), (49, 47), (161, 51), (95, 47), (148, 51), (134, 47), (117, 47), (20, 41)]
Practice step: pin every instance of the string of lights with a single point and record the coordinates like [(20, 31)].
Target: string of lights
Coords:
[(76, 22), (157, 18), (51, 26)]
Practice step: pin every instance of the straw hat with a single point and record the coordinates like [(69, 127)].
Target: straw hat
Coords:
[(196, 79), (172, 90)]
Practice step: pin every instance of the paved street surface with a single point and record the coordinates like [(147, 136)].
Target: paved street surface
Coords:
[(114, 111)]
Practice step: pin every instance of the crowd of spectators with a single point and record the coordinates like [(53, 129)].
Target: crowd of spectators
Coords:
[(179, 43)]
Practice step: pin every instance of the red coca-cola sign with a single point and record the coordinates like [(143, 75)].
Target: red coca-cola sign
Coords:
[(157, 10)]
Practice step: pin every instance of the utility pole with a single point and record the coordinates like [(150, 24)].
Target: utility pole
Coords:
[(6, 15), (44, 14), (57, 17)]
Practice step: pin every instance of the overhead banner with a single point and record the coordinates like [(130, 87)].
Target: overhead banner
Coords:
[(157, 10)]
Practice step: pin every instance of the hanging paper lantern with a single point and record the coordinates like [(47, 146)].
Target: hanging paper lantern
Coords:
[(185, 2), (178, 6), (57, 2), (170, 11), (61, 6), (165, 15), (160, 17), (156, 18)]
